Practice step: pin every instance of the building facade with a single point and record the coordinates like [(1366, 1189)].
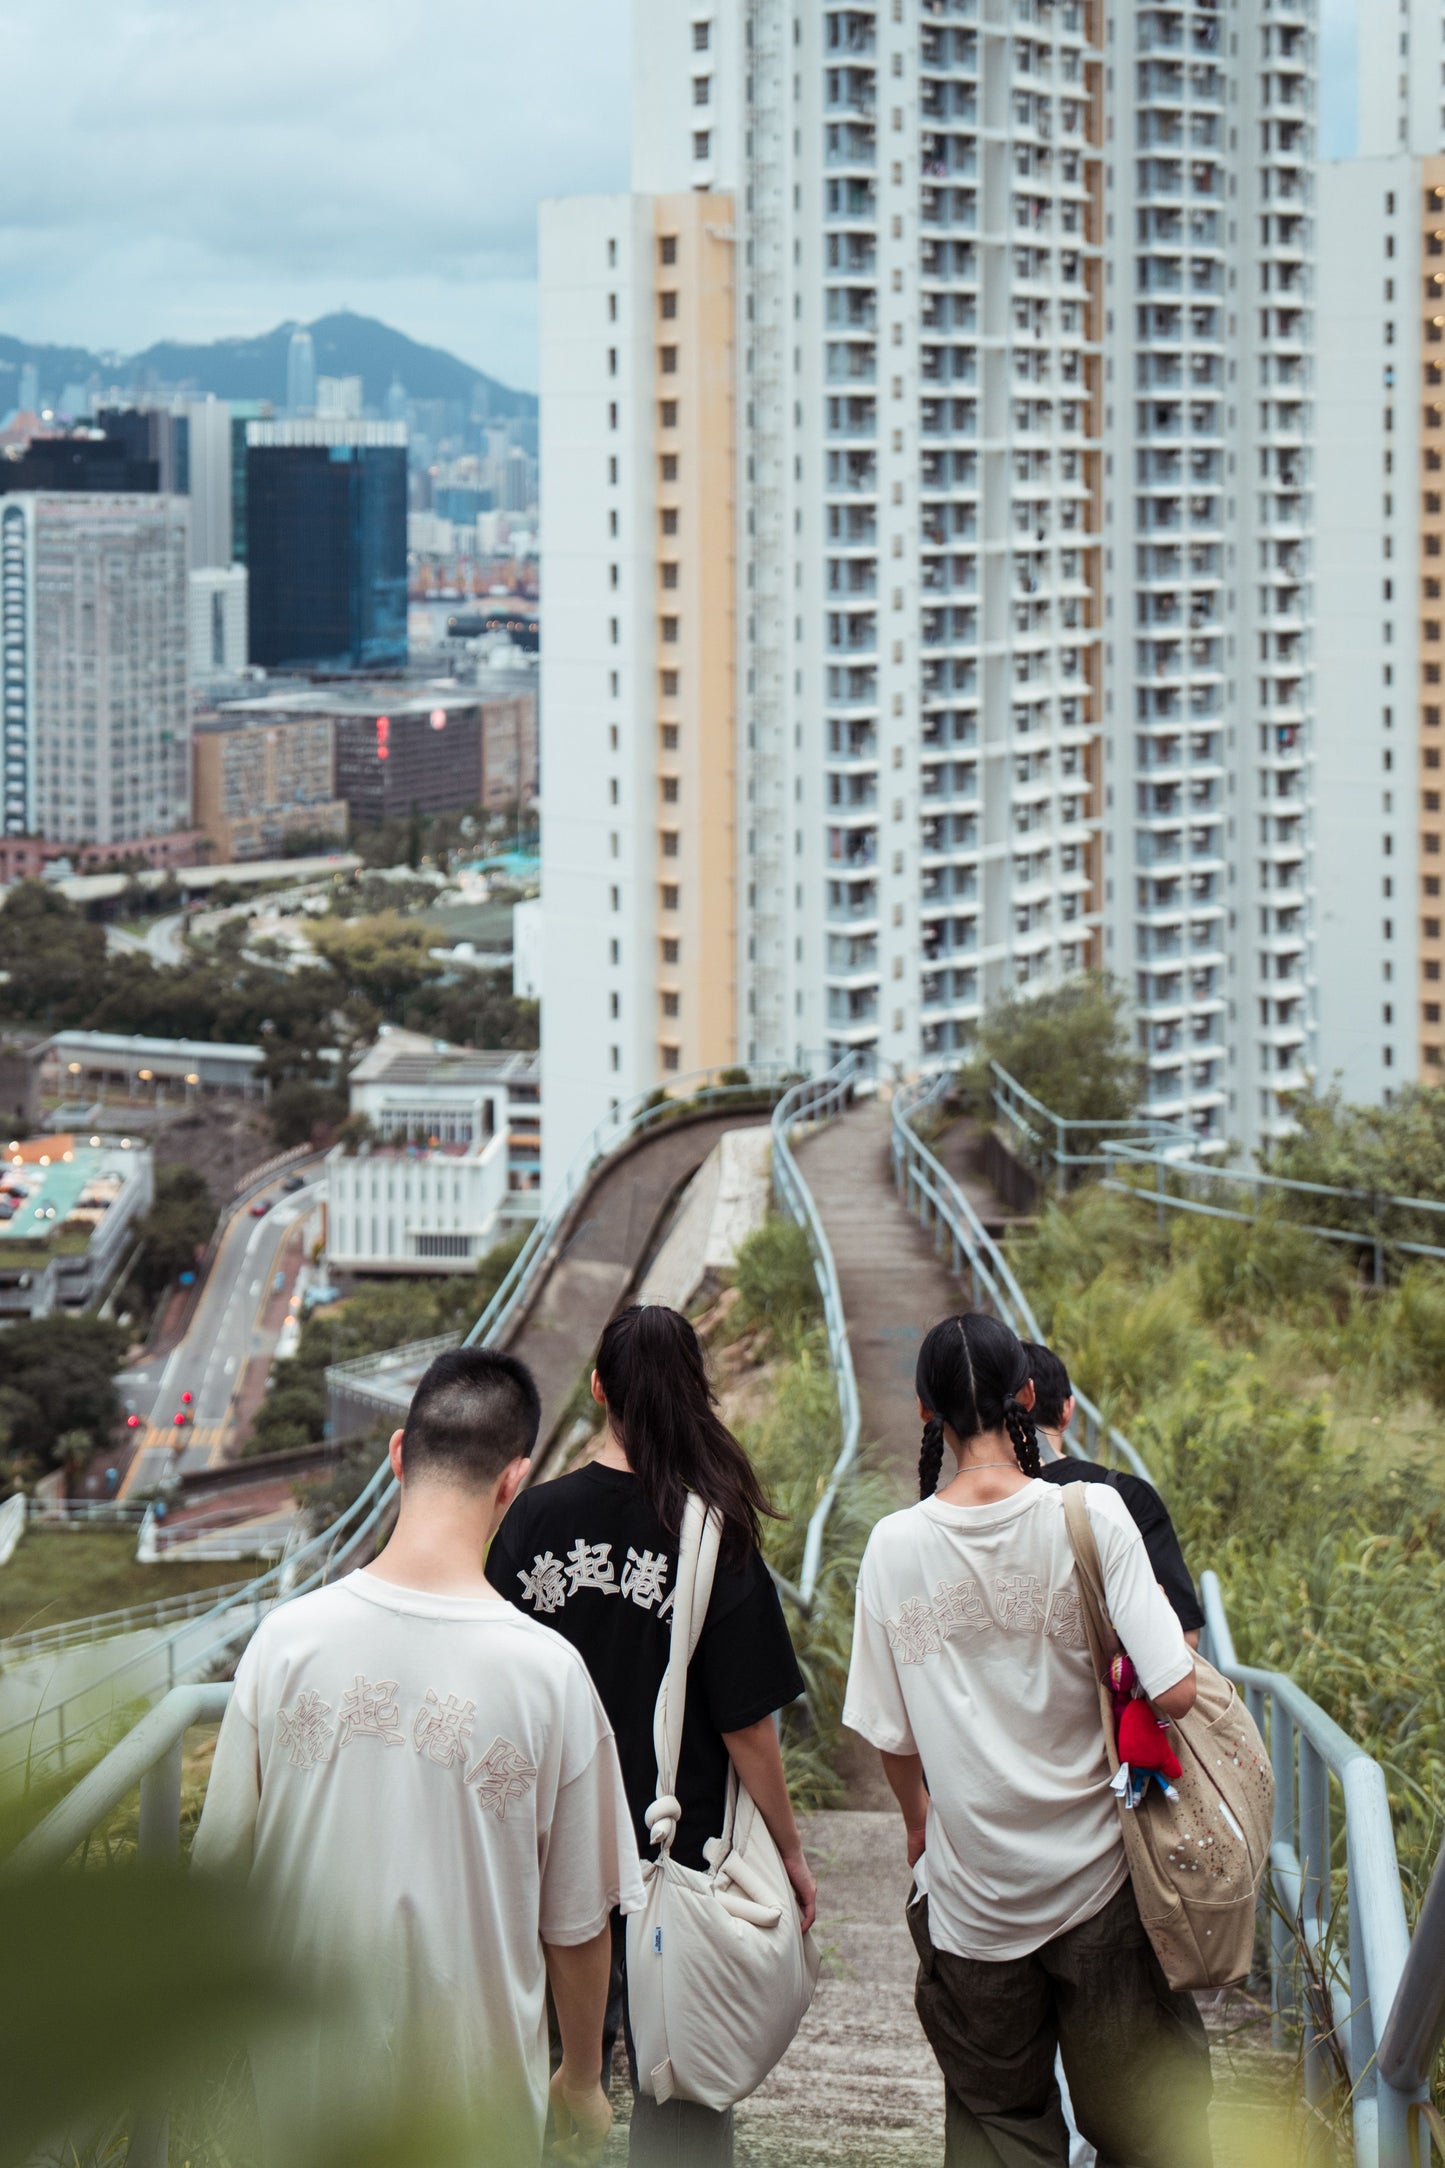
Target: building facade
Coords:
[(217, 623), (1017, 371), (209, 475), (409, 1208), (260, 777), (1381, 550), (326, 544), (415, 1090), (93, 626)]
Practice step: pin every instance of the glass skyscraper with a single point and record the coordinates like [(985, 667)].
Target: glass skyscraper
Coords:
[(326, 544)]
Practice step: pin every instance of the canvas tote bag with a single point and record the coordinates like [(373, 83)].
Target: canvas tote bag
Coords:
[(719, 1971), (1197, 1862)]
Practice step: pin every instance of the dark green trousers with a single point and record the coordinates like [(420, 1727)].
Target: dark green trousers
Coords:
[(1133, 2050)]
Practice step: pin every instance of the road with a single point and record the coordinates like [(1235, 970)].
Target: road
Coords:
[(225, 1332), (163, 940)]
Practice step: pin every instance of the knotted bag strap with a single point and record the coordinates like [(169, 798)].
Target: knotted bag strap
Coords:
[(692, 1592), (1098, 1626)]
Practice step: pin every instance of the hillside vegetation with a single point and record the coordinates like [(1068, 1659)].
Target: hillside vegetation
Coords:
[(1292, 1418)]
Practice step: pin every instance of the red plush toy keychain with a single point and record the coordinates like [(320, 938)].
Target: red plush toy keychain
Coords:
[(1144, 1749)]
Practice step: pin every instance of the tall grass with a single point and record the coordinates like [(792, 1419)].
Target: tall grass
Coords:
[(1247, 1363)]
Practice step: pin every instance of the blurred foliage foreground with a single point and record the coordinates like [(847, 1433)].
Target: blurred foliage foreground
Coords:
[(1291, 1415)]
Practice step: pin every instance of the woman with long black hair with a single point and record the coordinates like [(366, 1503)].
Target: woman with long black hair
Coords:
[(594, 1556), (971, 1674)]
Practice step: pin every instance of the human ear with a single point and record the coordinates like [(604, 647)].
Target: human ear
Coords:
[(514, 1475), (597, 1393), (1027, 1397), (925, 1415), (393, 1454)]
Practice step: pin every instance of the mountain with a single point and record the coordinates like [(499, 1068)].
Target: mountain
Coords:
[(255, 368)]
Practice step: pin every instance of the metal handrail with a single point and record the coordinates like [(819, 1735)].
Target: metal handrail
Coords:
[(1011, 1098), (810, 1103), (938, 1202), (45, 1734), (1386, 2015), (106, 1625)]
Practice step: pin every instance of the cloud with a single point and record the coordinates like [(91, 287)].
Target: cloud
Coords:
[(201, 167)]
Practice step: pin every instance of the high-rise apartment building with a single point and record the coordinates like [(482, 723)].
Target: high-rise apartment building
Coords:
[(1381, 552), (1018, 364), (96, 725), (326, 543), (217, 623)]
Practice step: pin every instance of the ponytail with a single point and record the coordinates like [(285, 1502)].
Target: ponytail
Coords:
[(970, 1373), (661, 1408)]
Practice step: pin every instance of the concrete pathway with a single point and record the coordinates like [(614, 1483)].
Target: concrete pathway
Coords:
[(893, 1286)]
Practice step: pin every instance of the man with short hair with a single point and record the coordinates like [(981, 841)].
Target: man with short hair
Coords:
[(1053, 1411), (420, 1786)]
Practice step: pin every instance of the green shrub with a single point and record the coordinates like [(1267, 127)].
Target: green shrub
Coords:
[(775, 1276)]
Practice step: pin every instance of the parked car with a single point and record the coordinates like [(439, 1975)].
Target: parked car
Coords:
[(260, 1208), (294, 1182)]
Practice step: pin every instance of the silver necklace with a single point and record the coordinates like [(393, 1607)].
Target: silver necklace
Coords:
[(969, 1467)]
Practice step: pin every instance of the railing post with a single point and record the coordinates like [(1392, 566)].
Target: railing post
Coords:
[(159, 1839), (1313, 1848), (1281, 1933)]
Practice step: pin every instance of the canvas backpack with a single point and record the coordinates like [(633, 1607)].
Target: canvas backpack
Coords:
[(1196, 1862), (719, 1971)]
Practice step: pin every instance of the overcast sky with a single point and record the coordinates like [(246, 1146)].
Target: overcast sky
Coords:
[(192, 168)]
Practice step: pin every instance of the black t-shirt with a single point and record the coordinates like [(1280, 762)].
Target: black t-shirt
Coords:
[(1151, 1517), (587, 1556)]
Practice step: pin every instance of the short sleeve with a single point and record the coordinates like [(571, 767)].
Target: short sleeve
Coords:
[(874, 1706), (1151, 1517), (1142, 1615), (589, 1862), (744, 1660), (225, 1840)]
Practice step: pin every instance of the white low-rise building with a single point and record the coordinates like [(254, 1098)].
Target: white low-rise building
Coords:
[(413, 1208)]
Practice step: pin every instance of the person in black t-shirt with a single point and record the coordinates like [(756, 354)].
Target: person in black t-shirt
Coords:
[(594, 1556), (1053, 1411)]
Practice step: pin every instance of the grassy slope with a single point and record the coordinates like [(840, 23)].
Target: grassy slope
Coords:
[(63, 1574), (1292, 1418)]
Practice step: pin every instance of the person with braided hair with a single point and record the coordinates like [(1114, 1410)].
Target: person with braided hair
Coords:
[(971, 1674)]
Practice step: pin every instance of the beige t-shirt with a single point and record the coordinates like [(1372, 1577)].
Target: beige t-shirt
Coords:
[(420, 1790), (969, 1650)]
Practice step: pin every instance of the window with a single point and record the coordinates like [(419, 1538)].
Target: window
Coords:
[(669, 790), (672, 1004), (702, 93), (612, 468), (612, 523), (612, 572), (701, 143), (701, 37), (667, 414), (443, 1245), (670, 894), (614, 1002), (669, 575), (669, 737), (667, 248), (669, 520), (612, 255), (668, 358), (669, 684), (670, 842), (612, 420), (617, 1057), (669, 629), (614, 683), (671, 950), (671, 1057), (669, 466), (614, 630), (616, 898), (612, 790), (612, 365), (614, 952), (612, 308), (667, 304)]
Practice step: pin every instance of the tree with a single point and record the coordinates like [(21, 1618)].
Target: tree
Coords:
[(1393, 1151), (298, 1109), (1068, 1045), (177, 1226), (384, 957), (55, 958), (59, 1373)]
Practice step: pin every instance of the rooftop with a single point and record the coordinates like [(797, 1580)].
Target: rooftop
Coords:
[(53, 1186), (367, 698), (410, 1058)]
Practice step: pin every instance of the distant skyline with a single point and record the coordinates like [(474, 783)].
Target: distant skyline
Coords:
[(191, 173)]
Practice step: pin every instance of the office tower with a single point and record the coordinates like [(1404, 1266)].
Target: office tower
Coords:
[(209, 458), (300, 376), (83, 462), (217, 641), (152, 434), (1381, 540), (326, 544), (263, 773), (29, 388), (339, 398), (519, 481), (243, 413), (396, 400), (93, 599)]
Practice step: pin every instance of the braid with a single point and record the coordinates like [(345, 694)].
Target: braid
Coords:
[(930, 1458), (1022, 1436)]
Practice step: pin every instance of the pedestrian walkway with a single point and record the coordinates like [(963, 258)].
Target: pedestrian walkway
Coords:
[(893, 1286)]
